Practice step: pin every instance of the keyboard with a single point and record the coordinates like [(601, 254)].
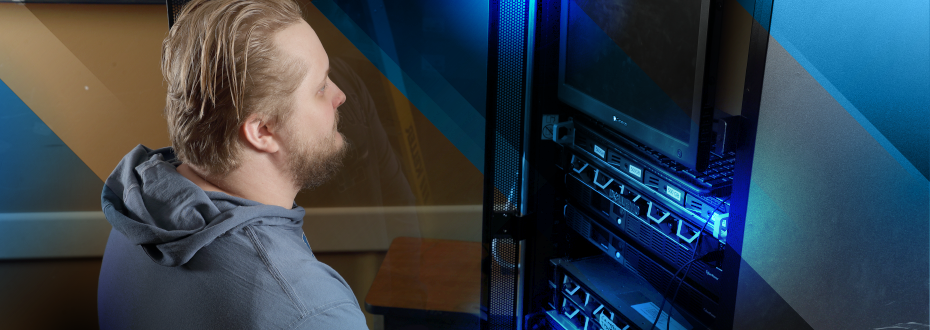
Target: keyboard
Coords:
[(718, 175)]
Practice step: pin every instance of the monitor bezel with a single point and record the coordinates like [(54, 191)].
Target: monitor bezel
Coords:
[(687, 153)]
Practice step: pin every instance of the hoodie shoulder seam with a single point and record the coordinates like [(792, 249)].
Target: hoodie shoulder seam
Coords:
[(129, 190), (275, 272)]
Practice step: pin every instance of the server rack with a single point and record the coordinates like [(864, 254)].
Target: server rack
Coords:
[(552, 256)]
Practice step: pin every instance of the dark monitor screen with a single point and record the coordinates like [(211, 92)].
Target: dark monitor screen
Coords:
[(638, 66)]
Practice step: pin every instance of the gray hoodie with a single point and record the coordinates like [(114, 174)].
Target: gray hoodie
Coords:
[(179, 257)]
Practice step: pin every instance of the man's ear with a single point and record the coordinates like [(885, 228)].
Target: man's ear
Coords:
[(258, 134)]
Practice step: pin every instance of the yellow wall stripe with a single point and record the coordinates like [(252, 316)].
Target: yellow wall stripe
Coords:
[(97, 126)]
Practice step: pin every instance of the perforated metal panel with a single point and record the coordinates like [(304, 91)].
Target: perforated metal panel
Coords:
[(503, 284), (506, 155), (511, 105)]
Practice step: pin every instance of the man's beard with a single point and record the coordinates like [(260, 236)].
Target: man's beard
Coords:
[(312, 164)]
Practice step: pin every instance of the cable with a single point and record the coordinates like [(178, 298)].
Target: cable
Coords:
[(686, 267), (716, 254), (503, 263), (665, 294)]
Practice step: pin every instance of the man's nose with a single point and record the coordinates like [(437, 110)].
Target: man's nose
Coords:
[(340, 97)]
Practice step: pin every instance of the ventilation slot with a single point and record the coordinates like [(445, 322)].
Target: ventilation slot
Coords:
[(696, 206), (581, 141), (653, 182), (634, 228), (578, 222), (579, 191), (614, 158)]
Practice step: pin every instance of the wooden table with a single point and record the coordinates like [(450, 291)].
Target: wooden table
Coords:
[(428, 284)]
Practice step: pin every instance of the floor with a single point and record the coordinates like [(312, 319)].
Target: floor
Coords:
[(62, 293)]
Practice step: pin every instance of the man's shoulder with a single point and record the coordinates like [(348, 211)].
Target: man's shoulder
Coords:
[(321, 294), (288, 256)]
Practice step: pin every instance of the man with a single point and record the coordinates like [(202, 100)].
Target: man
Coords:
[(206, 234)]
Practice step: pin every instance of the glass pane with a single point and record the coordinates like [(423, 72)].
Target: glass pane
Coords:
[(411, 188)]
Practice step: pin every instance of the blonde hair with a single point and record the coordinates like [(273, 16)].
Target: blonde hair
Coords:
[(222, 66)]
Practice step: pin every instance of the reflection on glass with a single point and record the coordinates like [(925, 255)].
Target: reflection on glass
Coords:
[(372, 177), (405, 191), (648, 76), (371, 173)]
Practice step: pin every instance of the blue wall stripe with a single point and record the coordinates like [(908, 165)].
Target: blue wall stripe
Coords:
[(38, 172), (853, 111), (874, 59)]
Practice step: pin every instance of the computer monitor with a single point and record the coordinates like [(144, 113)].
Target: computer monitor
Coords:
[(642, 68)]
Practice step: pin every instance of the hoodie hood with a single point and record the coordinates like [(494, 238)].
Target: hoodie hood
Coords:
[(170, 217)]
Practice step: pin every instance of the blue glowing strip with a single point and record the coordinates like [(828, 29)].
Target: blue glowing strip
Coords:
[(850, 108), (450, 112), (525, 165)]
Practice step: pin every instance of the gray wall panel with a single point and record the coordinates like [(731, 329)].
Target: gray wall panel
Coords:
[(834, 224)]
